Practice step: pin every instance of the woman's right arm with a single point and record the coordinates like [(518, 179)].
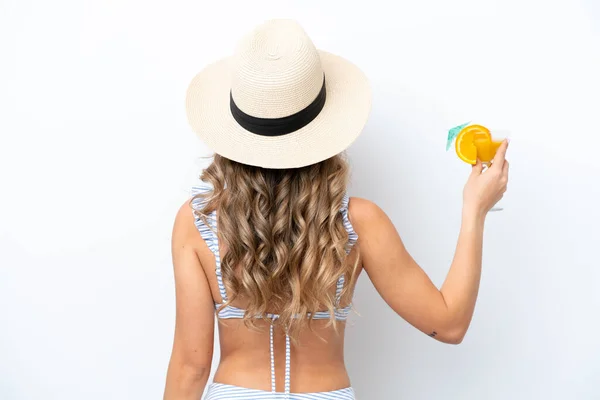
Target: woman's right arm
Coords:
[(445, 313), (191, 357)]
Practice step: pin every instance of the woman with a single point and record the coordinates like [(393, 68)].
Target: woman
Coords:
[(271, 245)]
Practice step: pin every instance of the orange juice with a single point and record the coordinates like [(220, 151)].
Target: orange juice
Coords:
[(486, 149)]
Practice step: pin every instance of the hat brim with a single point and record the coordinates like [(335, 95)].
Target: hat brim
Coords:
[(346, 110)]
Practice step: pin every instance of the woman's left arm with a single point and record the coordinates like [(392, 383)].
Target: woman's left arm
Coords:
[(192, 352)]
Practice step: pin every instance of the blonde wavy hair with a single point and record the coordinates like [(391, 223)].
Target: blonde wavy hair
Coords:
[(286, 245)]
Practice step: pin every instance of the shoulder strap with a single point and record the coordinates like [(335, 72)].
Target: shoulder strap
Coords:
[(352, 239), (352, 236), (207, 226)]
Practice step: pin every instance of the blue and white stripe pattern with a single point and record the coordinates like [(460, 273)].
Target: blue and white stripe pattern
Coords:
[(352, 236), (219, 391), (209, 232), (231, 312)]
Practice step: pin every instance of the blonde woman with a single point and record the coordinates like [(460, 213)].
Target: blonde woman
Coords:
[(270, 244)]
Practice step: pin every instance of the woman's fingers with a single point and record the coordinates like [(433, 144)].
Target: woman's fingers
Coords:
[(477, 168), (500, 155)]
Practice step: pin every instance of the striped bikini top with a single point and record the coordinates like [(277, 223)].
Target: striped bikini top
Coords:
[(209, 234)]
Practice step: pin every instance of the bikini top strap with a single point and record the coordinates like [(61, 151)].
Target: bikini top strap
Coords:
[(352, 236), (207, 226), (352, 239)]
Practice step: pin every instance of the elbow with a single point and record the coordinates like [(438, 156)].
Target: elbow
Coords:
[(198, 372), (190, 366), (455, 339), (455, 330), (453, 336), (192, 374), (186, 380)]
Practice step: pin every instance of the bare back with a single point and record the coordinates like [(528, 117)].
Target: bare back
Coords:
[(317, 356), (317, 360)]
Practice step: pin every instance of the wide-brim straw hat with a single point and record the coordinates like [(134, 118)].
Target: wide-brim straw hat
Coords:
[(278, 102)]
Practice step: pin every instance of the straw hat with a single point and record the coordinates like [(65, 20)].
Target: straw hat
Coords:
[(279, 102)]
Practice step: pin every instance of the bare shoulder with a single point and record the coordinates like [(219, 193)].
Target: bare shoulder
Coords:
[(184, 227), (364, 213)]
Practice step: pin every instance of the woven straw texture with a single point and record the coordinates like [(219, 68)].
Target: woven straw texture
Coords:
[(275, 72)]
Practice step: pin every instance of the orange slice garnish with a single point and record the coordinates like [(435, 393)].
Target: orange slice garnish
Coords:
[(466, 148)]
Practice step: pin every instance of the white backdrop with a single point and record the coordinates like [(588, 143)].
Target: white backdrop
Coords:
[(96, 157)]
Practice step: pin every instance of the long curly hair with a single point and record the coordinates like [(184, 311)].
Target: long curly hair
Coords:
[(286, 245)]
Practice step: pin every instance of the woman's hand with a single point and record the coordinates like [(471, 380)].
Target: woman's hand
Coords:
[(483, 190)]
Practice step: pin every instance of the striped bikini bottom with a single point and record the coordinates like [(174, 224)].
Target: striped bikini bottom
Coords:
[(220, 391)]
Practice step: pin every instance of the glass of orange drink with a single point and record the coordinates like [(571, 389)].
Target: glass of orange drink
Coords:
[(478, 142)]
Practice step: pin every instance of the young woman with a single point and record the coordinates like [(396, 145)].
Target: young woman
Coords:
[(271, 245)]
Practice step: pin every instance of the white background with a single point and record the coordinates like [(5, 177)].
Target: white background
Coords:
[(96, 157)]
